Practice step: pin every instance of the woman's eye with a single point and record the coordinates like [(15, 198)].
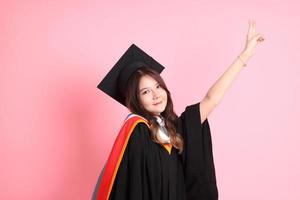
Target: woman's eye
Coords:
[(158, 86), (146, 91)]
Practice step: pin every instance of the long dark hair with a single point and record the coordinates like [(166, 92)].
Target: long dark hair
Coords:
[(133, 103)]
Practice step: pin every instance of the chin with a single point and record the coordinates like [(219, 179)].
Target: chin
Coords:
[(159, 110)]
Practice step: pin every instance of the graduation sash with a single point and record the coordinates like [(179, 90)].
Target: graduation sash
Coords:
[(106, 179)]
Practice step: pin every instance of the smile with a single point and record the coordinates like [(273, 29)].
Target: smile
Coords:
[(157, 103)]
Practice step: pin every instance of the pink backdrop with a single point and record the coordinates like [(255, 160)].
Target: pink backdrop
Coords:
[(57, 128)]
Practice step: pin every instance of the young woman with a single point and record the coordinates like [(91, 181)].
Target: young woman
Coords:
[(158, 155)]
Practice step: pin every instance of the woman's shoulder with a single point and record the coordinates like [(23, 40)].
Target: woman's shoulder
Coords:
[(137, 126), (136, 117), (136, 122), (139, 139), (140, 130)]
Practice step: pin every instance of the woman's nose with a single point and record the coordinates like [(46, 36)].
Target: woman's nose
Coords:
[(155, 94)]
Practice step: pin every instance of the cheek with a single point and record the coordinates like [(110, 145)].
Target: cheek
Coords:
[(145, 100), (165, 95), (166, 98)]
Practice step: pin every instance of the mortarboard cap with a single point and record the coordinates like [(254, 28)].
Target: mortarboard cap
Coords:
[(115, 81)]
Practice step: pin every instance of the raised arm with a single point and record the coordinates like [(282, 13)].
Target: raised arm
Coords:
[(216, 92)]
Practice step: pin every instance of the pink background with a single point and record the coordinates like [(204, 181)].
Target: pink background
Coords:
[(57, 128)]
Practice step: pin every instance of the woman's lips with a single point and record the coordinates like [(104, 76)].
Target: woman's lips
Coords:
[(157, 103)]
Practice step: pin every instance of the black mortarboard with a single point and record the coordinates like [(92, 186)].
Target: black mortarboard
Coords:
[(115, 81)]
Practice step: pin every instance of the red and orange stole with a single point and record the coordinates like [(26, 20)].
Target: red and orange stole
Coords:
[(116, 155)]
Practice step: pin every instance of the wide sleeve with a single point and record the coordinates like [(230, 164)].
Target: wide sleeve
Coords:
[(130, 183), (197, 156)]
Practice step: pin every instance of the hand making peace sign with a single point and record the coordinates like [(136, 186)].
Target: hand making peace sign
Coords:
[(253, 38)]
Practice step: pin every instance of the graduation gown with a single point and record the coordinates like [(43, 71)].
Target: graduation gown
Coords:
[(145, 170)]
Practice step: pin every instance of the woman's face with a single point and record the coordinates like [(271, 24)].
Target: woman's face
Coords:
[(152, 96)]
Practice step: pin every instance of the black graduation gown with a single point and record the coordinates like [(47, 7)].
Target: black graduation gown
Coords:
[(197, 157), (148, 172)]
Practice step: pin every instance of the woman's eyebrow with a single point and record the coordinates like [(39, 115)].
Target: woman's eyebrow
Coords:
[(148, 87)]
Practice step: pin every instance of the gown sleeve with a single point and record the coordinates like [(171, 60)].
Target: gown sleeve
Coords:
[(197, 156), (130, 181)]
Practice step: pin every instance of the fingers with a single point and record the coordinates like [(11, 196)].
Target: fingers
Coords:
[(259, 37), (253, 24), (252, 28)]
